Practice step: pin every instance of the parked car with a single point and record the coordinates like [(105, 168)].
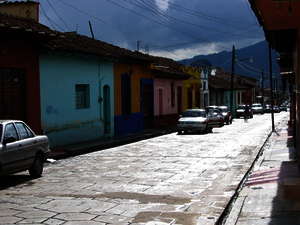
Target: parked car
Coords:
[(197, 120), (257, 108), (283, 108), (240, 111), (276, 109), (21, 149), (267, 108), (226, 114)]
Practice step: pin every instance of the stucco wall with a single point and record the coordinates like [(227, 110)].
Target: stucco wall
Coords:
[(61, 121), (137, 71), (22, 54), (165, 86)]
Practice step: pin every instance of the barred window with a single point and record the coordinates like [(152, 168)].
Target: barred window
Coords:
[(82, 96)]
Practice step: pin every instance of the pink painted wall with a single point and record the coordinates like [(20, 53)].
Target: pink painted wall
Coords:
[(165, 86)]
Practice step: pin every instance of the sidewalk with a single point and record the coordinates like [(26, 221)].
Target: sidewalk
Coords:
[(271, 193), (104, 143)]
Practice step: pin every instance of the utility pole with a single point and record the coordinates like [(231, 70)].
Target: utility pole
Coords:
[(271, 86), (91, 30), (138, 45), (231, 78), (262, 88)]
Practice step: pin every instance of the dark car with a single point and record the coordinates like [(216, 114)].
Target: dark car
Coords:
[(241, 111), (226, 114), (21, 149), (276, 109), (283, 108), (197, 120)]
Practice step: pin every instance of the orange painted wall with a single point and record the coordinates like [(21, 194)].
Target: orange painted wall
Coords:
[(137, 71)]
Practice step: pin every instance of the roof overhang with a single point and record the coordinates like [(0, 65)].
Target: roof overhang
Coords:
[(277, 14)]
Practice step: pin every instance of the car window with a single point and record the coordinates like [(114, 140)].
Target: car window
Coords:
[(22, 130), (194, 114), (10, 131), (223, 109), (29, 132)]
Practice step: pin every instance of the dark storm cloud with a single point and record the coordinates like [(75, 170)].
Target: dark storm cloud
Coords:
[(183, 27)]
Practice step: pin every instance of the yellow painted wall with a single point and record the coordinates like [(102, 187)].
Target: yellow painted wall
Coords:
[(137, 71), (194, 82)]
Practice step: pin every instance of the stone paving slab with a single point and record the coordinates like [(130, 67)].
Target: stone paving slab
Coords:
[(270, 192), (172, 179)]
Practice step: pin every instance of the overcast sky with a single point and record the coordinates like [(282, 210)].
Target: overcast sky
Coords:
[(173, 28)]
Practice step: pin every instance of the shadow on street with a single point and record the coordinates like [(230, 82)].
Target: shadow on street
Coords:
[(13, 180)]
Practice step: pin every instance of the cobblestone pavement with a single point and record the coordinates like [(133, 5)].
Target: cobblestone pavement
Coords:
[(172, 179), (270, 195)]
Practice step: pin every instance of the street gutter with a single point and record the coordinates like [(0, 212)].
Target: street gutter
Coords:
[(223, 217), (88, 147)]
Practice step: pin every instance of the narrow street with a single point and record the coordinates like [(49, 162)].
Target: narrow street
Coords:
[(171, 179)]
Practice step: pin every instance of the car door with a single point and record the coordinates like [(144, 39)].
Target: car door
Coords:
[(11, 157), (28, 144)]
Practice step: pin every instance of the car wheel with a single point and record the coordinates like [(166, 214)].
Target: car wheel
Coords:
[(228, 122), (179, 132), (36, 170)]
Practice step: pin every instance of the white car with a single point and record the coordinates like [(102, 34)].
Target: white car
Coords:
[(198, 120), (257, 108), (21, 149)]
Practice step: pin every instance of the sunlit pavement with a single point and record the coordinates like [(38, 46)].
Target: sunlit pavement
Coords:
[(171, 179), (270, 195)]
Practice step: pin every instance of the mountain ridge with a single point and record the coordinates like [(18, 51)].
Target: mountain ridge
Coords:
[(258, 52)]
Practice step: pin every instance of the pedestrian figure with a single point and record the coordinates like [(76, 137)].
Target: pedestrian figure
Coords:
[(246, 113)]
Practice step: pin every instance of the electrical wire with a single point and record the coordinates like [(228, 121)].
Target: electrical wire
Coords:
[(57, 14), (82, 11), (159, 12), (164, 24), (201, 14), (51, 22)]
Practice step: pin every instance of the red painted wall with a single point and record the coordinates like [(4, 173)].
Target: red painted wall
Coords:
[(21, 54)]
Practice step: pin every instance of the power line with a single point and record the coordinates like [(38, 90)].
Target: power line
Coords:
[(200, 14), (82, 11), (57, 14), (161, 23), (52, 23), (160, 13)]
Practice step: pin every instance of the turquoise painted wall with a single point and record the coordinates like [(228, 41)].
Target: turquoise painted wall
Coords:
[(61, 121)]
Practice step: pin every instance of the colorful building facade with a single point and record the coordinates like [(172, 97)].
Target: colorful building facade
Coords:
[(134, 97), (77, 96), (192, 88)]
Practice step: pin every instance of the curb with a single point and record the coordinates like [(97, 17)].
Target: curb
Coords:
[(222, 218), (107, 144)]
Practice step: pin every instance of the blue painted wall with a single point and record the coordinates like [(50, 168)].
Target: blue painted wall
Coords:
[(61, 121), (129, 124)]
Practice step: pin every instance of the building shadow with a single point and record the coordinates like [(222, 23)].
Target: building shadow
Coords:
[(286, 204)]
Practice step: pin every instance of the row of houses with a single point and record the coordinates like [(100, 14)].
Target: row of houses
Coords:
[(74, 88)]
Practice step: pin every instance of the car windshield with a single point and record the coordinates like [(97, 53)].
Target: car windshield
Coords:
[(256, 105), (194, 114), (225, 109), (241, 107)]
